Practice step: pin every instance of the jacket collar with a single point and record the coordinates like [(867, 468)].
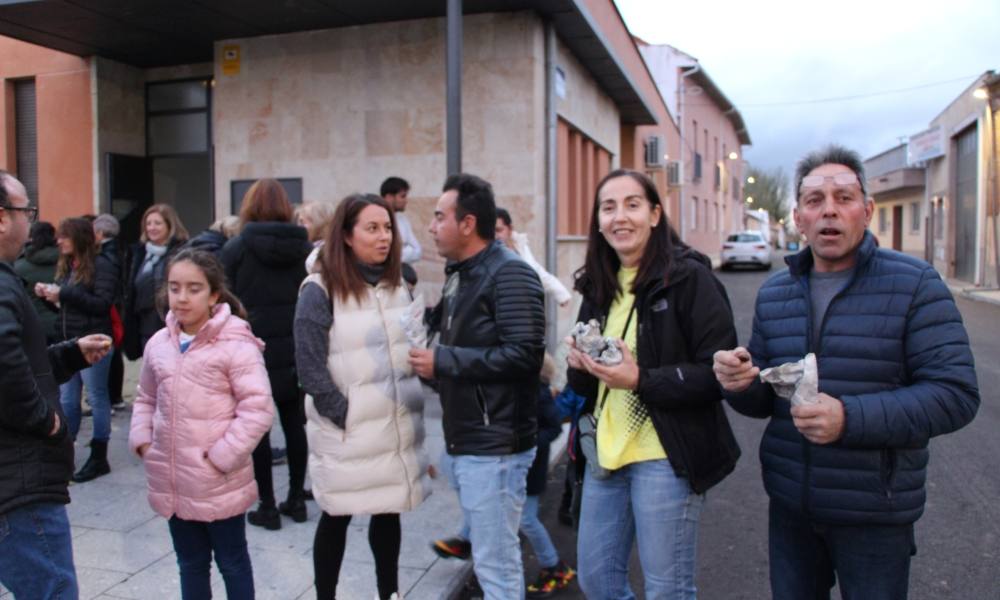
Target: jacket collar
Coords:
[(800, 264), (208, 331), (474, 260)]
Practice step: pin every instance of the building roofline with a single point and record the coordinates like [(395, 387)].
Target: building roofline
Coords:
[(728, 108)]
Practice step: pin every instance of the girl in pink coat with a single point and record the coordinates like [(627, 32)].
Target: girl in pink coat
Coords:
[(203, 404)]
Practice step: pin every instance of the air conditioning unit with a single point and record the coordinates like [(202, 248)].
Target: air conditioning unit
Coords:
[(673, 173), (654, 151)]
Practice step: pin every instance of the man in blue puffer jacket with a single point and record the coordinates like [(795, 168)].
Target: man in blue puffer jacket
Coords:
[(846, 475)]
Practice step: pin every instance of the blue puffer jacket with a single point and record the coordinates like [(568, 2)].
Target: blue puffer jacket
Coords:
[(893, 349)]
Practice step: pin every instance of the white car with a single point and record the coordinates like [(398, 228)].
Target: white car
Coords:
[(746, 248)]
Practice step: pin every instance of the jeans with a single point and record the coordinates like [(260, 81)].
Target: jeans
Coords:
[(448, 466), (537, 535), (491, 490), (647, 503), (96, 380), (194, 543), (871, 561), (36, 552)]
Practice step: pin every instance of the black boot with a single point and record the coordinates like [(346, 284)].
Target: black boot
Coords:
[(96, 465), (265, 516), (294, 507)]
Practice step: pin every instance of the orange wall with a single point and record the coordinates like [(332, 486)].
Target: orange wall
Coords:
[(65, 125)]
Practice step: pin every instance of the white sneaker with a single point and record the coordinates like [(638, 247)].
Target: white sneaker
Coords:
[(394, 596)]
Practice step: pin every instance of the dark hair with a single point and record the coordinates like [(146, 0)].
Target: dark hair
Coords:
[(178, 232), (81, 263), (409, 274), (475, 197), (337, 264), (42, 235), (393, 185), (265, 201), (830, 155), (503, 215), (214, 273), (597, 280)]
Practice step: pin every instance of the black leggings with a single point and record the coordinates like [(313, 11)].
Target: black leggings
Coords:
[(291, 411), (328, 553)]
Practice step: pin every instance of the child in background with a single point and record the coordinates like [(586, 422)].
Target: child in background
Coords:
[(203, 404)]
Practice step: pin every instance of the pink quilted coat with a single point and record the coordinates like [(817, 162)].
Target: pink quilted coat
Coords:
[(202, 412)]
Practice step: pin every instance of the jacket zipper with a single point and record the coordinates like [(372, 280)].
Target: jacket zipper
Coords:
[(481, 399), (395, 389), (173, 424)]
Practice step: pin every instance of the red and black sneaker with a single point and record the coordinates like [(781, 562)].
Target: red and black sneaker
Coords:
[(551, 580), (454, 547)]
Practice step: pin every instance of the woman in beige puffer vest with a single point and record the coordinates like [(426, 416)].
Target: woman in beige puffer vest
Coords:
[(364, 404)]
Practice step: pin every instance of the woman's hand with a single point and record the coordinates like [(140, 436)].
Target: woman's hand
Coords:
[(575, 358), (52, 293), (623, 376)]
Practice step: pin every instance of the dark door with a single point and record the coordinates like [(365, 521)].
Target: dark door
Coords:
[(966, 176), (130, 192), (897, 228)]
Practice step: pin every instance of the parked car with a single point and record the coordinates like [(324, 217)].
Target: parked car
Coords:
[(746, 248)]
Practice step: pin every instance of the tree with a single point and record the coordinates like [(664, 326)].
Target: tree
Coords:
[(769, 190)]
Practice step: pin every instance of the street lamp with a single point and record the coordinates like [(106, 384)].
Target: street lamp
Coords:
[(981, 93), (751, 179), (733, 156), (749, 199)]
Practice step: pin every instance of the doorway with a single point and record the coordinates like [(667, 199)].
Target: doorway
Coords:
[(897, 228), (966, 176)]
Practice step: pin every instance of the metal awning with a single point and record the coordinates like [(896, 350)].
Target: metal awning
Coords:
[(147, 33)]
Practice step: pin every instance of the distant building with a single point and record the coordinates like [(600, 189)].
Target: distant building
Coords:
[(899, 193)]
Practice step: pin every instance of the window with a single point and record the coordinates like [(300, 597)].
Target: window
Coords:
[(581, 164), (238, 188), (694, 213), (745, 237), (26, 137), (177, 117), (938, 218), (883, 220), (718, 219), (706, 217), (697, 166), (914, 217)]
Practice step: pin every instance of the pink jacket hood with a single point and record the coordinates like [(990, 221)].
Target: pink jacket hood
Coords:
[(202, 413)]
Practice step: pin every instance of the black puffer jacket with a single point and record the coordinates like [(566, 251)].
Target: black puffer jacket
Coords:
[(683, 319), (549, 429), (38, 265), (209, 241), (490, 353), (265, 265), (34, 467), (85, 308), (141, 318)]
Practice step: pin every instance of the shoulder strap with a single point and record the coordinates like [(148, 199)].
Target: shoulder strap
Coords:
[(607, 390)]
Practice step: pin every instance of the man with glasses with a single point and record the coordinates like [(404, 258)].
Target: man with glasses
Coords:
[(36, 452), (846, 473)]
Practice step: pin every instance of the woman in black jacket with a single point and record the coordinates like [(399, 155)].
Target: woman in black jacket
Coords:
[(265, 264), (84, 292), (38, 265), (162, 235), (662, 437)]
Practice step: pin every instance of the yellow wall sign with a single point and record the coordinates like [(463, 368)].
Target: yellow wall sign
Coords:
[(231, 59)]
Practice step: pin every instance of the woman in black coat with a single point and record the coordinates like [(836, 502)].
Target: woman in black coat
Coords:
[(162, 235), (84, 292), (662, 437), (265, 264)]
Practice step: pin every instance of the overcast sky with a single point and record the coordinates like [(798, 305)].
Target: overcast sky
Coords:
[(783, 51)]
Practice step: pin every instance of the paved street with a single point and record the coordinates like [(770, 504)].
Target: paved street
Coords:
[(958, 538)]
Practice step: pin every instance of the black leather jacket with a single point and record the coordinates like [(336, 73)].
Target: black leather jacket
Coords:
[(492, 326), (34, 466), (684, 318)]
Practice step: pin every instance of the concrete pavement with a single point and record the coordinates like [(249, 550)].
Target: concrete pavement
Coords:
[(123, 550)]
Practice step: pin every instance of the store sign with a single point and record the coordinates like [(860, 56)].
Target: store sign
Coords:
[(231, 59), (925, 146)]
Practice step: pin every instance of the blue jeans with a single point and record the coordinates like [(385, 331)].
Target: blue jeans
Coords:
[(448, 466), (36, 552), (194, 543), (491, 490), (647, 503), (871, 561), (70, 393), (537, 535)]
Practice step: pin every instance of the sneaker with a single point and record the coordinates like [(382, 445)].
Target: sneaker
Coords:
[(454, 547), (550, 581)]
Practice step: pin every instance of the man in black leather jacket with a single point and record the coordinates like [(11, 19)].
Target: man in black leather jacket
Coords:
[(492, 324), (36, 452)]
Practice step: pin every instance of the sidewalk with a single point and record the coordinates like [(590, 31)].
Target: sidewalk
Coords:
[(965, 290), (123, 550)]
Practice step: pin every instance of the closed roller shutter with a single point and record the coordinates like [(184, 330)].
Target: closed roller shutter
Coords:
[(26, 137)]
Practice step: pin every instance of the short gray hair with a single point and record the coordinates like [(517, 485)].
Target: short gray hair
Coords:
[(107, 225), (830, 155)]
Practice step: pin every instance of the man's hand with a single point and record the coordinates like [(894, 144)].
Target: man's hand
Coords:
[(422, 361), (623, 376), (55, 425), (822, 422), (94, 347), (734, 369)]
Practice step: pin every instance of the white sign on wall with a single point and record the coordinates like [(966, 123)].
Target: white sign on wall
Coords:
[(925, 145)]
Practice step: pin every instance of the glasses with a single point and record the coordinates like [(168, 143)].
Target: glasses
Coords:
[(815, 181), (30, 211)]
